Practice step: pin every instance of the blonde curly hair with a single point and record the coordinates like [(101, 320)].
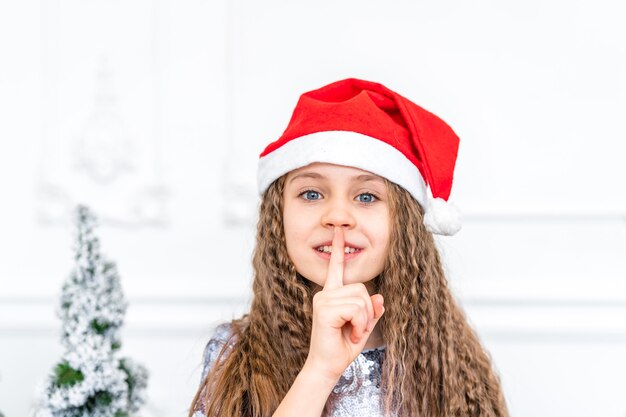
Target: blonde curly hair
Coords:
[(434, 363)]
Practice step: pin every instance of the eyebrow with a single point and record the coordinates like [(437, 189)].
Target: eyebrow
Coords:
[(315, 175)]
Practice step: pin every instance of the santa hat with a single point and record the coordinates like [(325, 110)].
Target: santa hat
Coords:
[(367, 126)]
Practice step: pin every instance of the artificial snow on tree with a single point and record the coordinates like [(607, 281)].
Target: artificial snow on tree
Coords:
[(91, 380)]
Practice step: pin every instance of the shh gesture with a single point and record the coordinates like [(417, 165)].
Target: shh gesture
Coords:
[(343, 317)]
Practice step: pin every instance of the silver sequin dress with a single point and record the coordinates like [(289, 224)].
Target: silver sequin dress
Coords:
[(357, 393)]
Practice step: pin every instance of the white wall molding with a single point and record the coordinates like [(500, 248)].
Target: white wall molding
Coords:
[(198, 290), (526, 308)]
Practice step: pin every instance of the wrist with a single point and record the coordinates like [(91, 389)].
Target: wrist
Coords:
[(319, 375), (308, 393)]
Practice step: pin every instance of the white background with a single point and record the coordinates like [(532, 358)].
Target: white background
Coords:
[(178, 98)]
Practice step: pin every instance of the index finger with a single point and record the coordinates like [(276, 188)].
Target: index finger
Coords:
[(334, 279)]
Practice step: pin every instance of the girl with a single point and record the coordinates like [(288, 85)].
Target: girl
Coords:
[(351, 314)]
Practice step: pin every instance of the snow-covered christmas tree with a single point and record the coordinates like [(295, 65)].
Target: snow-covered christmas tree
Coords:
[(91, 380)]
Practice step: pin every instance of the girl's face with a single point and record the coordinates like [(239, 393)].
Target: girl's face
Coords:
[(319, 197)]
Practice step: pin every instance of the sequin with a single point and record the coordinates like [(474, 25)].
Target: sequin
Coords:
[(357, 393)]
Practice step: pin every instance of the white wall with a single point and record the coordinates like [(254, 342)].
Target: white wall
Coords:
[(190, 91)]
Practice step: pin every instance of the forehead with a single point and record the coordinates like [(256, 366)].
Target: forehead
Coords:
[(324, 171)]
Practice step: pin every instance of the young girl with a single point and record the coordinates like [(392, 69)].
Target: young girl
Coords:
[(351, 314)]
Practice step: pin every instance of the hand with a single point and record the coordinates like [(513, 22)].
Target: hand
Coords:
[(343, 317)]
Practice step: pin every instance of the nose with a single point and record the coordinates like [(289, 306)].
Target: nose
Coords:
[(338, 213)]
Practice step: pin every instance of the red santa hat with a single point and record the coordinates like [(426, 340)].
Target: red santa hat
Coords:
[(365, 125)]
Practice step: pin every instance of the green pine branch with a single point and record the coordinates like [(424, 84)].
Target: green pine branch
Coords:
[(66, 376)]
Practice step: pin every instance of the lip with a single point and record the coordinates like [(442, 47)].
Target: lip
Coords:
[(346, 256), (330, 243)]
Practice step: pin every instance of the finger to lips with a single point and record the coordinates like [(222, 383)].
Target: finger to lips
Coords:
[(334, 279)]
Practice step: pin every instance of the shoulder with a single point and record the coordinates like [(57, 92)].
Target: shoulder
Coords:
[(222, 339)]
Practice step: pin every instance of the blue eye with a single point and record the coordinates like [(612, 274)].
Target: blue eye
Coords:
[(310, 195), (367, 198)]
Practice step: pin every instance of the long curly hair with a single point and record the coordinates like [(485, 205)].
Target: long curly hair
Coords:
[(434, 363)]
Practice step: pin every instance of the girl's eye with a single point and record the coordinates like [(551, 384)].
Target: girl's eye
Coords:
[(310, 195), (366, 198)]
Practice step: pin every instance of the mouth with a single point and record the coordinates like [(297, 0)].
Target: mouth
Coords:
[(325, 250), (329, 249)]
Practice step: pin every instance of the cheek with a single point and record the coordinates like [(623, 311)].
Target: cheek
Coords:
[(383, 237), (293, 230), (296, 224), (296, 236), (382, 228), (289, 224)]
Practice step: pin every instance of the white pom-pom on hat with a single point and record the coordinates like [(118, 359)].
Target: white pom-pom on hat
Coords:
[(442, 217)]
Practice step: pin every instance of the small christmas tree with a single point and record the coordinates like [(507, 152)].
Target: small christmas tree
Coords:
[(90, 380)]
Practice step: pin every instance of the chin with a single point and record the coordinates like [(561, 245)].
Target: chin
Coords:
[(349, 280)]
